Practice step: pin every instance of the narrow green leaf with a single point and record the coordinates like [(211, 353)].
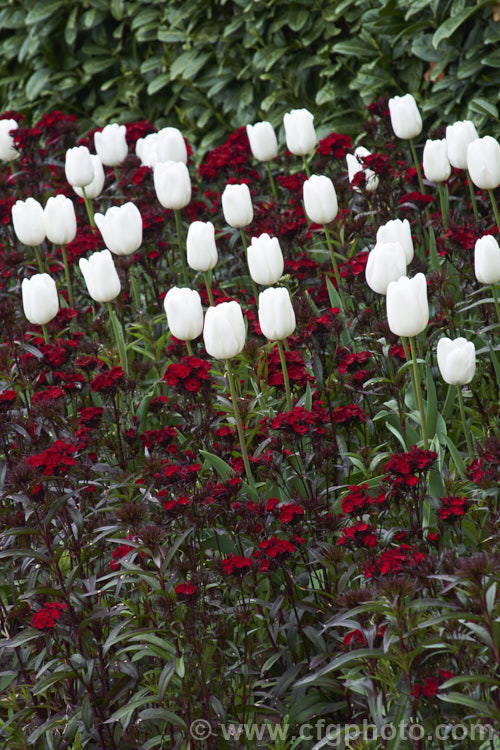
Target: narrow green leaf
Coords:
[(218, 464), (452, 24)]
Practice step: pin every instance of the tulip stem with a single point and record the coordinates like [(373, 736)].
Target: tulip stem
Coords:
[(245, 245), (45, 334), (89, 207), (418, 391), (189, 348), (178, 227), (444, 213), (495, 300), (329, 244), (417, 164), (464, 421), (472, 194), (306, 167), (135, 290), (272, 181), (207, 277), (67, 276), (289, 403), (495, 207), (120, 341), (239, 426), (38, 259)]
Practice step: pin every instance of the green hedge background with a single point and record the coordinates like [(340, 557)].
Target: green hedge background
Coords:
[(210, 66)]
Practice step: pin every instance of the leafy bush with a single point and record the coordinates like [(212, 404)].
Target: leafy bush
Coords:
[(212, 66)]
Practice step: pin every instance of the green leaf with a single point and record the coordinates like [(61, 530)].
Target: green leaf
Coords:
[(189, 64), (432, 410), (36, 83), (452, 24), (457, 458), (42, 10), (218, 464), (483, 107)]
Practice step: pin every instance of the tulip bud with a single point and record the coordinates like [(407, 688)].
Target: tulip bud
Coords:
[(483, 162), (263, 142), (201, 248), (456, 360), (40, 301), (100, 276), (487, 260), (437, 168), (276, 315), (111, 144), (458, 137), (184, 313), (171, 146), (7, 150), (386, 263), (121, 228), (265, 260), (78, 166), (224, 331), (29, 226), (237, 205), (355, 165), (405, 117), (407, 306), (299, 131), (60, 220), (396, 230), (172, 184), (320, 199), (94, 188)]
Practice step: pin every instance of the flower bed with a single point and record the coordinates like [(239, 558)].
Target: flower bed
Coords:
[(303, 528)]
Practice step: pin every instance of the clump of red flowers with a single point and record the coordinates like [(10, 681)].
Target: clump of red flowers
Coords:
[(359, 535), (186, 591), (55, 460), (359, 501), (236, 565), (47, 616), (403, 469), (452, 508), (188, 375), (108, 382)]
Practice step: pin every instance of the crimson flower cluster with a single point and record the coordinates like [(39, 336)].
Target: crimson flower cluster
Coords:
[(55, 460), (108, 382), (188, 375), (359, 501), (359, 535), (47, 616), (403, 469), (394, 560), (452, 508)]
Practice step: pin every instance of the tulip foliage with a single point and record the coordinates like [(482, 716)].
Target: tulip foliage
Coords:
[(249, 421)]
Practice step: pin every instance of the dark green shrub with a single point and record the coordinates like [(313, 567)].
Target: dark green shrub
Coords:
[(211, 66)]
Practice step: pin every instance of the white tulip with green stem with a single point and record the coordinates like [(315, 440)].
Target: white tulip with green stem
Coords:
[(437, 168), (483, 161), (264, 147), (103, 285), (29, 226), (60, 224), (457, 364), (173, 189), (40, 300), (487, 265), (277, 322), (407, 316), (184, 314), (406, 122), (458, 137), (224, 337), (202, 253)]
